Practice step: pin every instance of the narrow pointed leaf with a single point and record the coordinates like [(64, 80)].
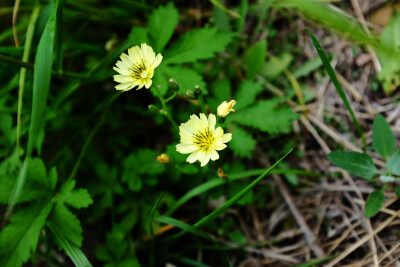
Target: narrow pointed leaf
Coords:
[(374, 203), (382, 137)]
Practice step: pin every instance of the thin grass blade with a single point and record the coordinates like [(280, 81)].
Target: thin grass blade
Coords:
[(338, 87), (41, 85)]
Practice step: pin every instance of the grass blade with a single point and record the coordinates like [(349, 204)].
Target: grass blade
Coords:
[(338, 87), (41, 84), (75, 253), (238, 196)]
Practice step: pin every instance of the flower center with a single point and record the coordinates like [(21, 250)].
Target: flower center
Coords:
[(138, 70), (204, 140)]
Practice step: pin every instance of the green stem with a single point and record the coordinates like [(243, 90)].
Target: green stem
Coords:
[(25, 58), (164, 107), (202, 105), (171, 97)]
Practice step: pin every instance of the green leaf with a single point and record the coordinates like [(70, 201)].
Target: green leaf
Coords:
[(339, 89), (246, 94), (20, 237), (137, 36), (186, 78), (276, 65), (197, 44), (67, 223), (75, 253), (266, 116), (255, 59), (79, 198), (388, 53), (393, 164), (41, 77), (308, 67), (242, 143), (374, 203), (360, 164), (162, 23), (382, 137)]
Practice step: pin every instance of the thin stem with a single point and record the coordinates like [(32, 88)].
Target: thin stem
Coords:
[(171, 97), (202, 105), (165, 108), (25, 57)]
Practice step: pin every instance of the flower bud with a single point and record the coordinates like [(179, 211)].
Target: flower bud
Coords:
[(163, 158), (198, 91), (191, 95), (225, 108), (173, 85), (153, 108)]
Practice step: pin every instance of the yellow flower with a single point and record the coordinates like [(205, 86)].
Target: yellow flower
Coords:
[(136, 68), (200, 138), (225, 108)]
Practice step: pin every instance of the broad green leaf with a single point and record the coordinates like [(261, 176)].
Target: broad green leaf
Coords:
[(266, 116), (67, 223), (78, 198), (276, 65), (246, 94), (382, 137), (255, 59), (308, 67), (197, 44), (162, 23), (186, 78), (41, 85), (339, 89), (374, 203), (138, 35), (388, 53), (393, 164), (242, 142), (360, 164), (75, 253), (20, 237)]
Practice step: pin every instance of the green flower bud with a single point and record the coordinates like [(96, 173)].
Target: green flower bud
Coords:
[(153, 108), (173, 85), (198, 91), (191, 95)]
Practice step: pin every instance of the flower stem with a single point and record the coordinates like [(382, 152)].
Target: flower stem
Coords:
[(171, 97), (202, 105), (164, 107)]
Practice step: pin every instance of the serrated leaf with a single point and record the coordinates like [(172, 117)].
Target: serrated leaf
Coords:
[(79, 198), (388, 53), (187, 79), (393, 164), (360, 164), (266, 116), (242, 143), (197, 44), (162, 23), (374, 203), (20, 237), (67, 223), (382, 137), (255, 59), (247, 93)]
